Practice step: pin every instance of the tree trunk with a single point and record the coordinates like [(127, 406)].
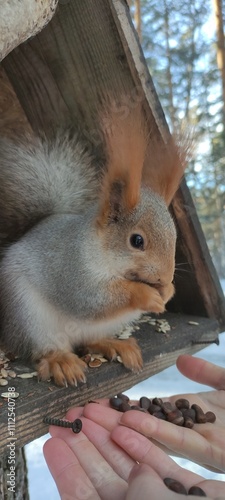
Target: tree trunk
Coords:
[(168, 69), (13, 475), (137, 17)]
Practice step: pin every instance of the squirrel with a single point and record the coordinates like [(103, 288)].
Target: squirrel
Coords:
[(82, 254)]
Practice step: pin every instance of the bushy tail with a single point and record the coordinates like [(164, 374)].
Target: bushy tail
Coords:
[(41, 178)]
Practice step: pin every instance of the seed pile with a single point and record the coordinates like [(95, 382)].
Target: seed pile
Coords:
[(5, 370), (178, 487), (94, 360), (162, 325), (7, 374), (181, 413)]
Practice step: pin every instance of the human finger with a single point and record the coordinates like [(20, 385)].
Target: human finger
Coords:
[(106, 481), (143, 450), (69, 476), (200, 447), (119, 460), (201, 371), (146, 482), (102, 415)]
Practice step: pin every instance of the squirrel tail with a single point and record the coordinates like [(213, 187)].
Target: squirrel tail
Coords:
[(40, 178)]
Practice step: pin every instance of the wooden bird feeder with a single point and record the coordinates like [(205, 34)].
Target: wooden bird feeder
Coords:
[(56, 79)]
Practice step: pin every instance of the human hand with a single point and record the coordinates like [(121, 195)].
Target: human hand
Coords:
[(208, 446), (95, 464)]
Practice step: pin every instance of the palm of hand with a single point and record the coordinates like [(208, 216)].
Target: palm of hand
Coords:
[(209, 401), (209, 446)]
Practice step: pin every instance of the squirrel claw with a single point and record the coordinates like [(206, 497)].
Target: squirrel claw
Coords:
[(128, 350), (64, 367)]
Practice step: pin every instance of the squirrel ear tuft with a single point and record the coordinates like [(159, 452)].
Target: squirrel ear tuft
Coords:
[(126, 143), (165, 163)]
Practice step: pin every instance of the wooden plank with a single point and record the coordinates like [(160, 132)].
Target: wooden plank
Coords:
[(200, 274), (137, 64), (13, 121), (159, 351), (62, 73)]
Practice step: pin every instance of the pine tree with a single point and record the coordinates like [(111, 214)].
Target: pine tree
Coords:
[(180, 48)]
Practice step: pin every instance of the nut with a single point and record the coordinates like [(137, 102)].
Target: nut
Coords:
[(167, 407), (210, 416), (174, 485), (175, 417), (134, 407), (179, 413), (188, 422), (120, 404), (124, 407), (115, 403), (190, 413), (122, 396), (3, 382), (196, 491), (10, 395), (153, 408), (182, 403), (4, 373), (160, 415), (27, 375), (145, 402), (95, 363), (200, 416), (157, 401)]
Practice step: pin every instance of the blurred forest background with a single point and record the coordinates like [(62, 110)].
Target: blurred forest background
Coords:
[(183, 43)]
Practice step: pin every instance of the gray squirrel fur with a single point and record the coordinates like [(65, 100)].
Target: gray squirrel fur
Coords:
[(68, 272)]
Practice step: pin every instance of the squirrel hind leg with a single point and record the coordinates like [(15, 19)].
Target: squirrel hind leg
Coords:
[(64, 367), (128, 350)]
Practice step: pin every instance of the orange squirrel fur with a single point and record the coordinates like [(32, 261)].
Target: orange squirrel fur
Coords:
[(90, 256)]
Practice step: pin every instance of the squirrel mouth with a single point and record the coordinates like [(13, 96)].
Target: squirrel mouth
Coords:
[(133, 276)]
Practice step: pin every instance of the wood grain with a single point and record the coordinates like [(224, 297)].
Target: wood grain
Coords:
[(13, 121), (37, 399)]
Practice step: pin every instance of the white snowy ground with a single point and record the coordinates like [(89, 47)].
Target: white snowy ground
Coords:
[(165, 383)]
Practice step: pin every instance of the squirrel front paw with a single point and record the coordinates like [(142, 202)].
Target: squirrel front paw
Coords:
[(167, 292), (64, 367), (128, 350), (146, 298)]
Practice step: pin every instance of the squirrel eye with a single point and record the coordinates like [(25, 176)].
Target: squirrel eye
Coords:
[(137, 241)]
